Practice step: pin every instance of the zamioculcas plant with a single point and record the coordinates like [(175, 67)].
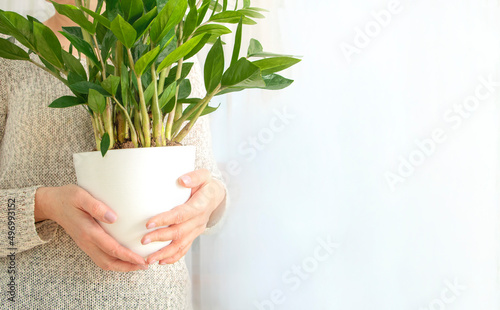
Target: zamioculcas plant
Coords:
[(135, 86)]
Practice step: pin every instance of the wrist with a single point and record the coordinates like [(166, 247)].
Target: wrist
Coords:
[(41, 213)]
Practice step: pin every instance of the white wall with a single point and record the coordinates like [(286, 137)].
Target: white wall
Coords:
[(40, 9), (323, 175)]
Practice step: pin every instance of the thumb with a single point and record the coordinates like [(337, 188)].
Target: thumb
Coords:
[(98, 209), (195, 178)]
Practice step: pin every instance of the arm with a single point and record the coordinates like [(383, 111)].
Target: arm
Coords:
[(17, 225)]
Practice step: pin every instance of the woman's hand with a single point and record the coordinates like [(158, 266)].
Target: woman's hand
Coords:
[(74, 209), (187, 221)]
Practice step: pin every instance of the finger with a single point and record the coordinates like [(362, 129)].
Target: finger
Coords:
[(94, 207), (112, 248), (177, 215), (195, 178), (173, 232), (196, 205), (107, 262), (174, 258), (174, 247)]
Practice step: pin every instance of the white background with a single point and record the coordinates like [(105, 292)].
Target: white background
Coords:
[(322, 175)]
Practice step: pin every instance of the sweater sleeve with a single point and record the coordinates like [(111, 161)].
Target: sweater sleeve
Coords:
[(202, 138), (18, 231)]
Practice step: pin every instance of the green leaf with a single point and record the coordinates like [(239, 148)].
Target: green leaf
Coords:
[(11, 51), (74, 78), (190, 23), (198, 46), (107, 43), (75, 15), (180, 52), (124, 83), (123, 31), (242, 74), (237, 42), (73, 64), (254, 48), (214, 66), (149, 4), (19, 27), (142, 24), (257, 9), (232, 17), (48, 45), (83, 47), (215, 6), (186, 68), (132, 9), (166, 96), (184, 89), (66, 102), (246, 3), (275, 64), (276, 82), (105, 142), (97, 102), (202, 12), (213, 29), (207, 110), (251, 13), (76, 31), (85, 87), (171, 15), (110, 84), (145, 61), (98, 17)]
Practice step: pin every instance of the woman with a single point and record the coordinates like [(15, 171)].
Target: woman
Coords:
[(53, 253)]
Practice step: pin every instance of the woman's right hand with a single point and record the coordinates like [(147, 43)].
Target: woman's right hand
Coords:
[(75, 210)]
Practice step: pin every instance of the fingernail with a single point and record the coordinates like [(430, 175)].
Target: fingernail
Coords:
[(110, 217), (186, 179), (144, 267), (163, 263), (152, 262), (151, 225), (146, 241)]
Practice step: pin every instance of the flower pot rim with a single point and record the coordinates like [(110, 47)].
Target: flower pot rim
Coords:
[(137, 149)]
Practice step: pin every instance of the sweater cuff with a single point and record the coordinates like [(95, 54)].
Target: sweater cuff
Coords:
[(18, 229)]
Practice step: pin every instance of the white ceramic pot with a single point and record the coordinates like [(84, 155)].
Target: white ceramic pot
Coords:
[(137, 184)]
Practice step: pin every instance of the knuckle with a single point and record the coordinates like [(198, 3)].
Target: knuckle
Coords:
[(106, 266), (94, 208), (179, 216), (178, 233), (114, 250)]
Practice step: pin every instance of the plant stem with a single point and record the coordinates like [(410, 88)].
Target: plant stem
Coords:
[(163, 75), (183, 133), (137, 125), (158, 133), (96, 133), (172, 116), (108, 122), (129, 121), (146, 128)]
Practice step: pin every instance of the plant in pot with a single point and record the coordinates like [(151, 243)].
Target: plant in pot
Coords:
[(127, 66)]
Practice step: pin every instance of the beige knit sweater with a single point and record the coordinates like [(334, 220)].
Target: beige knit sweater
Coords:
[(48, 270)]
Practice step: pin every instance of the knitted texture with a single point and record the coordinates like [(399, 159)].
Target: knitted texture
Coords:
[(51, 271)]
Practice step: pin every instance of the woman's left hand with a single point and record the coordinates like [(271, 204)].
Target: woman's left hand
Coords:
[(187, 221)]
